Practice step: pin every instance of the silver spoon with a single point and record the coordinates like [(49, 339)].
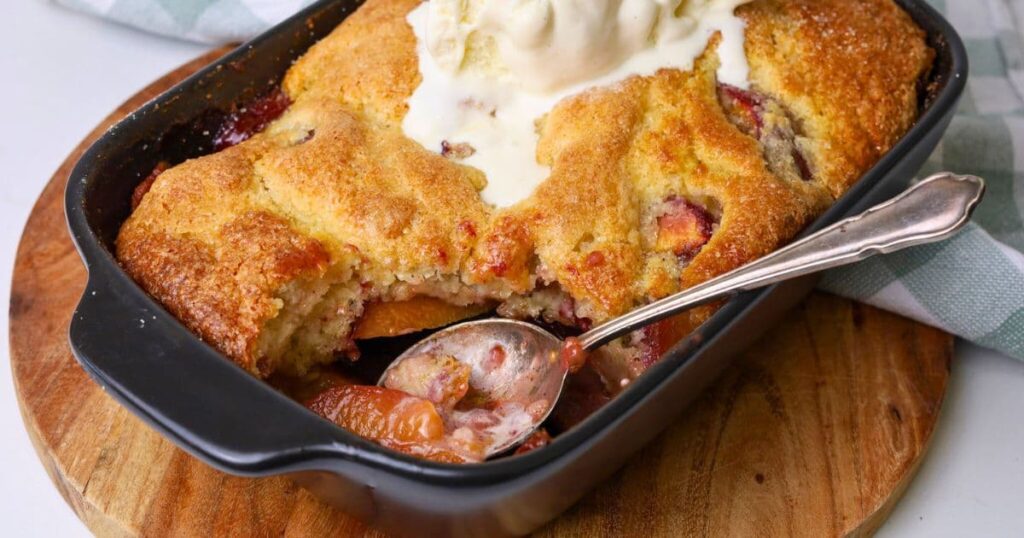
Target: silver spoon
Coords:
[(533, 373)]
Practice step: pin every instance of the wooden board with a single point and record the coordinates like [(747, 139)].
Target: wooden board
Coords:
[(814, 432)]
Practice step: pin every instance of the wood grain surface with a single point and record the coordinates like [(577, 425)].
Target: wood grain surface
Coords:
[(815, 432)]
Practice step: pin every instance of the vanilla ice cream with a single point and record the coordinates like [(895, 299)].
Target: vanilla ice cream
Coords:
[(491, 68)]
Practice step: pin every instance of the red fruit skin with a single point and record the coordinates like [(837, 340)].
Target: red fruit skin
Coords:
[(540, 438), (243, 123), (684, 228), (748, 103)]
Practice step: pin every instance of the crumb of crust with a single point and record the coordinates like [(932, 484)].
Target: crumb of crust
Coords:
[(457, 150)]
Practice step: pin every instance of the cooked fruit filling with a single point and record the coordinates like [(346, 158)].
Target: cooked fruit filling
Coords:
[(456, 150), (396, 420), (428, 407), (540, 439), (252, 118), (441, 379), (142, 188), (745, 108), (767, 121), (683, 227), (584, 393)]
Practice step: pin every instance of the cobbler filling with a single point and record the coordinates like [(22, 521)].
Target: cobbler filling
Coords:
[(573, 354), (396, 420), (540, 439), (766, 120), (429, 407), (241, 124), (238, 126), (683, 227)]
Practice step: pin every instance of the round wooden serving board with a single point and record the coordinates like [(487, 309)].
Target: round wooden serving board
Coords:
[(816, 431)]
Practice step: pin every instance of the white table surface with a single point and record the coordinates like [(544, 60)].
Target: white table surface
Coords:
[(62, 73)]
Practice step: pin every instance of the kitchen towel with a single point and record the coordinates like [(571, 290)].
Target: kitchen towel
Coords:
[(203, 21), (971, 285)]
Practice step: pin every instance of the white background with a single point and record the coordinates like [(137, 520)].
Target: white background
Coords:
[(62, 73)]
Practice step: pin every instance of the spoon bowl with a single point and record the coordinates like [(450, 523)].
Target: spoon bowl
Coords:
[(519, 364)]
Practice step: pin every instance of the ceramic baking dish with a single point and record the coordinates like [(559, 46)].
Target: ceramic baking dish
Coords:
[(208, 406)]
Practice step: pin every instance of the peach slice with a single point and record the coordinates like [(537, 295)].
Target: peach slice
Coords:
[(379, 414), (416, 314), (395, 420), (684, 227)]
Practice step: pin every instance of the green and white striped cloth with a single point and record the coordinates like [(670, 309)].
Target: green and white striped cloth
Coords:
[(204, 21), (971, 285)]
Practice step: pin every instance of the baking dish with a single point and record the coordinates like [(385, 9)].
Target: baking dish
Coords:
[(208, 406)]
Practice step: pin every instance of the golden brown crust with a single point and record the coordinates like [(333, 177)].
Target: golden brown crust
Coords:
[(333, 189), (847, 69), (369, 62), (224, 291), (319, 192), (359, 184), (617, 152)]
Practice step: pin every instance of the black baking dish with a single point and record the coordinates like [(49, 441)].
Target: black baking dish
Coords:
[(160, 371)]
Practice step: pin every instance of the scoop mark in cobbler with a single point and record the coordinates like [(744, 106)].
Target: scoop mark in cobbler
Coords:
[(772, 124), (437, 388)]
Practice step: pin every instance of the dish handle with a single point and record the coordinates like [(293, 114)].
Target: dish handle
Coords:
[(141, 355)]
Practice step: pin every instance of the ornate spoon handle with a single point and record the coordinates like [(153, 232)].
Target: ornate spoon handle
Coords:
[(929, 211)]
